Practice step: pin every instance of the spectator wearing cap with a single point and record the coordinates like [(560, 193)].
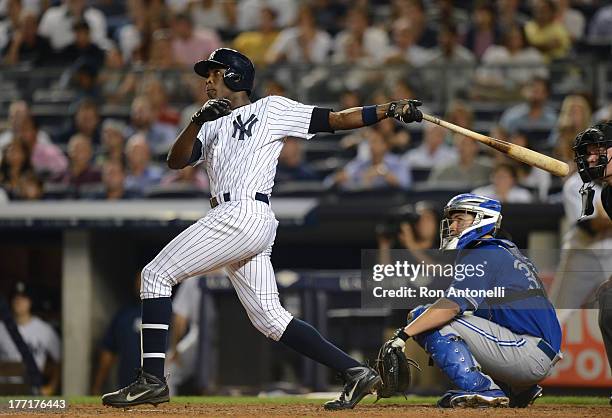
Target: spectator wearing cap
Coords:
[(26, 46), (504, 186), (57, 23), (82, 48), (40, 337), (141, 173), (256, 43), (189, 45)]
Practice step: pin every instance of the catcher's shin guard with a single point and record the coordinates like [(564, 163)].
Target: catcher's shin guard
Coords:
[(452, 355)]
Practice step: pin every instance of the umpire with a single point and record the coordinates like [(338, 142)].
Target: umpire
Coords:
[(593, 156)]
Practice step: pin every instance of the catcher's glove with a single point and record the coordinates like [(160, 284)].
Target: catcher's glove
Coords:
[(212, 110), (405, 111), (393, 367)]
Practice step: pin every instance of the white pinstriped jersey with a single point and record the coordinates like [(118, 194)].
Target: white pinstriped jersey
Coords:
[(240, 151)]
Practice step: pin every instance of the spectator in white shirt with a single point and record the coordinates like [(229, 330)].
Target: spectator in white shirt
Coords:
[(405, 48), (433, 151), (504, 187), (56, 23), (374, 41)]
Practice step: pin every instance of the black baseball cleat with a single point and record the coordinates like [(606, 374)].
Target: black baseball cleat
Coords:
[(526, 398), (358, 382), (146, 389)]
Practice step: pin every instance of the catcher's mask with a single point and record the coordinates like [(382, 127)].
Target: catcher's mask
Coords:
[(487, 220), (593, 141)]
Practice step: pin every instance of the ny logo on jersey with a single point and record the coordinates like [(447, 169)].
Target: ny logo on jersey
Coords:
[(245, 128)]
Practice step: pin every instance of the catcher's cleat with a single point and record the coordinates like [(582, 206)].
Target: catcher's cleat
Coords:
[(463, 399), (146, 389), (526, 398), (358, 382)]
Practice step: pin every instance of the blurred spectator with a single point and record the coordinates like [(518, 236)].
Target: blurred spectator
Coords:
[(133, 37), (81, 171), (30, 188), (528, 176), (4, 197), (57, 23), (116, 84), (504, 186), (189, 176), (509, 15), (349, 99), (460, 113), (303, 43), (160, 55), (81, 79), (510, 65), (575, 116), (467, 170), (154, 90), (113, 183), (482, 31), (571, 19), (48, 160), (600, 26), (213, 14), (10, 23), (291, 165), (18, 114), (444, 12), (534, 113), (397, 137), (14, 165), (86, 121), (120, 344), (404, 48), (423, 234), (545, 33), (414, 11), (26, 46), (141, 174), (329, 14), (381, 170), (160, 135), (601, 115), (189, 45), (113, 140), (256, 44), (432, 152), (373, 41), (39, 336), (196, 87), (82, 48), (248, 12)]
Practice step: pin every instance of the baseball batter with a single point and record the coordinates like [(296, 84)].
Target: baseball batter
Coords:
[(494, 350), (239, 142)]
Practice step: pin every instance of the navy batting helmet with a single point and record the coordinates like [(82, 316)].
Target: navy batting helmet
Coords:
[(239, 74)]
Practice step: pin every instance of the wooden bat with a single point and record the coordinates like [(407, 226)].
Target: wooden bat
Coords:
[(525, 155)]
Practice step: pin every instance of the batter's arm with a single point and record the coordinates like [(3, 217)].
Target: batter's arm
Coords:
[(352, 118), (437, 315), (358, 117), (183, 147)]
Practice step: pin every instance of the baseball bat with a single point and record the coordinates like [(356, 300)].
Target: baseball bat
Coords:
[(525, 155)]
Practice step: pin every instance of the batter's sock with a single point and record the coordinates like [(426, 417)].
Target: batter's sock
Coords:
[(306, 340), (156, 315)]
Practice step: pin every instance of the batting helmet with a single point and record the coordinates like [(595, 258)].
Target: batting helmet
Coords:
[(600, 136), (239, 74)]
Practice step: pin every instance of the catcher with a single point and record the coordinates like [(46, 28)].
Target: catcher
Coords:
[(495, 350)]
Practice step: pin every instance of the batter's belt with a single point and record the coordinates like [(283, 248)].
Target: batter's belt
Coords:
[(226, 197)]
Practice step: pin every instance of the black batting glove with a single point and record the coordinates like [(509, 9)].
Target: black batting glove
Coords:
[(405, 111), (212, 110)]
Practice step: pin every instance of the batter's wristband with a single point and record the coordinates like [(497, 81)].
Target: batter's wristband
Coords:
[(368, 115), (401, 334)]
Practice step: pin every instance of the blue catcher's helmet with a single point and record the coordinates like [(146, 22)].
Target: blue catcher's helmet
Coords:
[(487, 220)]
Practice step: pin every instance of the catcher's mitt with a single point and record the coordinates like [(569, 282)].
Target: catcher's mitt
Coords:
[(394, 369)]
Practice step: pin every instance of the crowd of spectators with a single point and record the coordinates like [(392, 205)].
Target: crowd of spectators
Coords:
[(139, 54)]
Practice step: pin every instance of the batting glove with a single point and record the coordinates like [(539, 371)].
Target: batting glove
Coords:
[(405, 111), (212, 110)]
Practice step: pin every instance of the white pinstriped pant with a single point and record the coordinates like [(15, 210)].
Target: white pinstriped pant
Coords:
[(237, 235)]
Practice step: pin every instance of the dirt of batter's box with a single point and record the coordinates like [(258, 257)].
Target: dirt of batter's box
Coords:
[(294, 411)]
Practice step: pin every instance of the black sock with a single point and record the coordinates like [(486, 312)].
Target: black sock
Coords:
[(303, 338), (156, 315)]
